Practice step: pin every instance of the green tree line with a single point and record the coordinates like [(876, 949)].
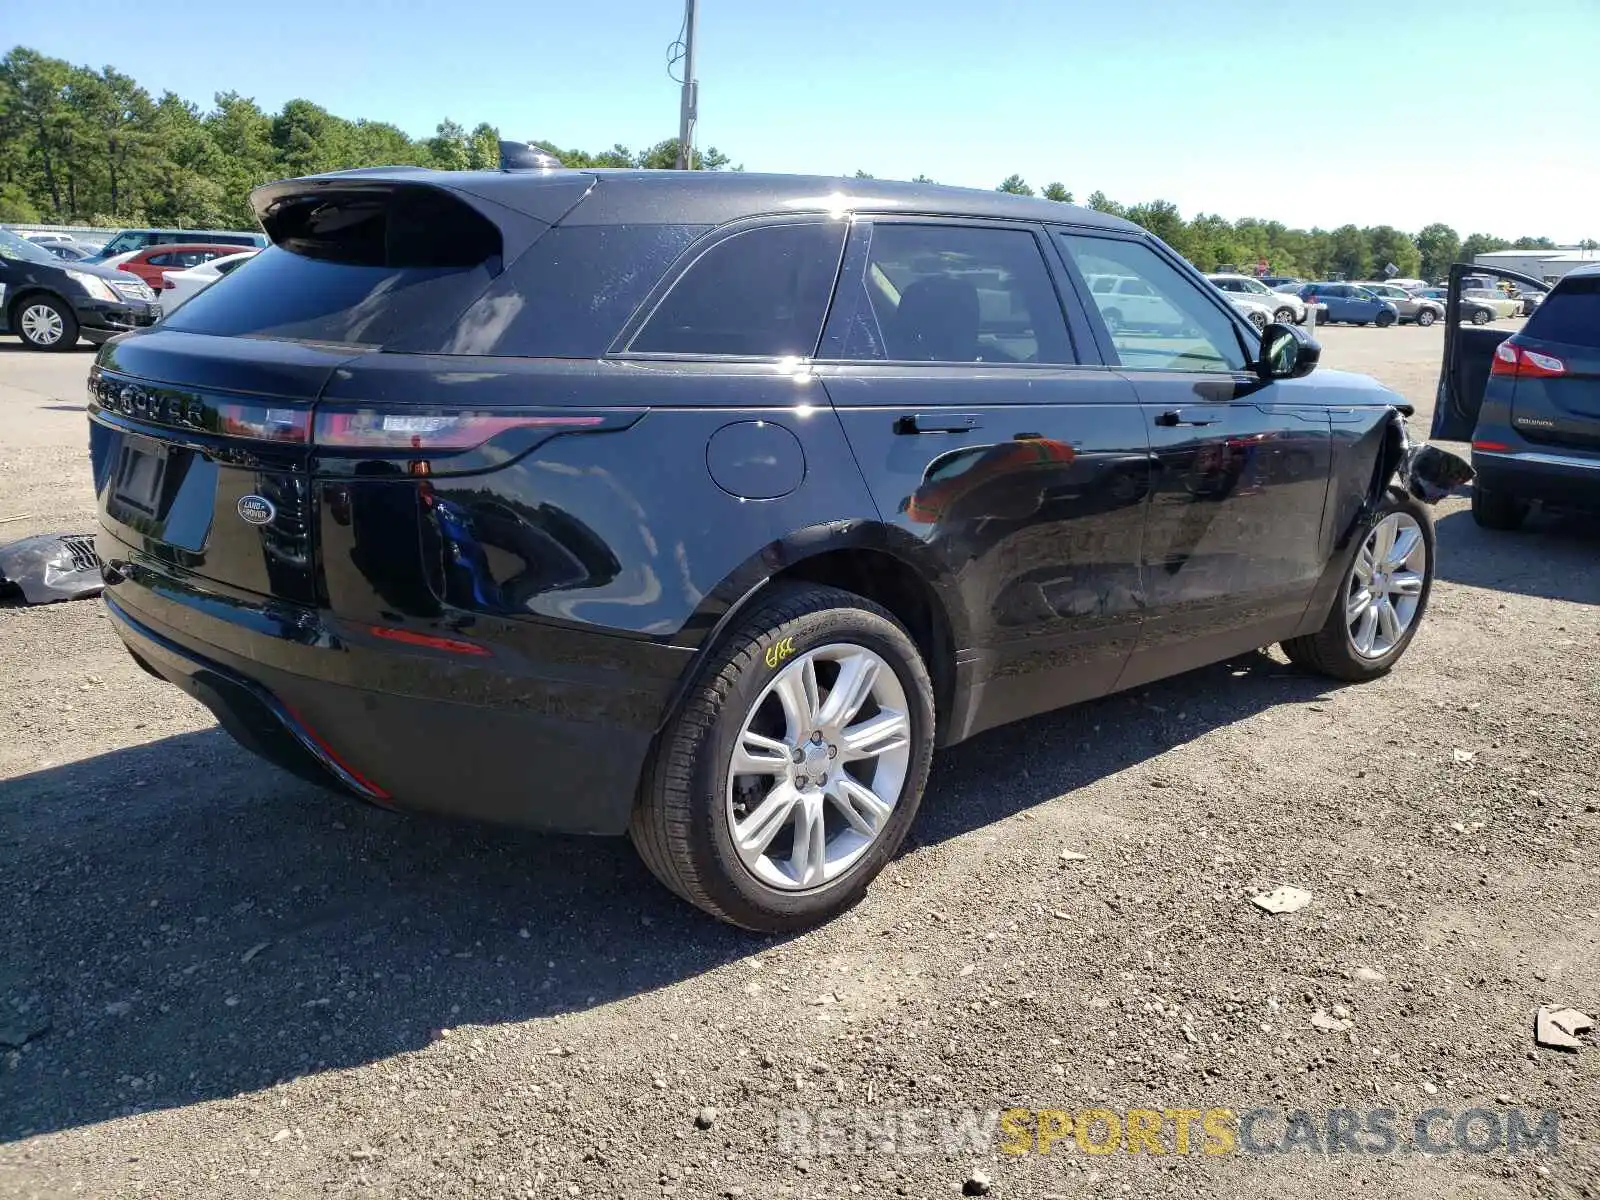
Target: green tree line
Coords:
[(80, 146), (86, 147), (1210, 241)]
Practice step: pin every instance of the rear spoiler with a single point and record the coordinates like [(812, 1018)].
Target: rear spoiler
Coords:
[(1455, 415), (521, 204)]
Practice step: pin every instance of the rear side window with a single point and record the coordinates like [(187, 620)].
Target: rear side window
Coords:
[(1570, 314), (948, 293), (360, 268), (760, 293), (568, 296)]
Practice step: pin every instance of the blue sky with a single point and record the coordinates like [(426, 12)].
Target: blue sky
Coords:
[(1311, 113)]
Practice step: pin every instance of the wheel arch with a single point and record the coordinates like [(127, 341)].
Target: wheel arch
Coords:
[(881, 562)]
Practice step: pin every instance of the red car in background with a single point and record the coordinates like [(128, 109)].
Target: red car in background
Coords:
[(149, 263)]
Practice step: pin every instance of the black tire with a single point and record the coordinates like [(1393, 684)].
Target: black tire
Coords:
[(1330, 651), (1480, 316), (1284, 316), (1113, 319), (1493, 509), (1426, 317), (68, 337), (681, 823), (1383, 320), (1258, 319)]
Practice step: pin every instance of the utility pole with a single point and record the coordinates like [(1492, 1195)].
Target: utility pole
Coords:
[(686, 110)]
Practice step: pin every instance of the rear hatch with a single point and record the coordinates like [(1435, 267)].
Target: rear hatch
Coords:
[(1554, 362), (202, 429)]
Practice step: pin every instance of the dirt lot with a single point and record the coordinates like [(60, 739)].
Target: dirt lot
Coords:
[(231, 984)]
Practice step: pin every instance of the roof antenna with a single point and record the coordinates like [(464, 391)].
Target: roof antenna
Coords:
[(525, 156)]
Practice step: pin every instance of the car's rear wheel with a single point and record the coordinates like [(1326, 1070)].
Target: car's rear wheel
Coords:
[(1381, 600), (1258, 319), (1113, 319), (1494, 509), (1383, 320), (45, 323), (1284, 316), (795, 765), (1480, 316), (1425, 316)]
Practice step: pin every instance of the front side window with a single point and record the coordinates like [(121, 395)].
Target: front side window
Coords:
[(761, 293), (949, 294), (124, 242), (1158, 318)]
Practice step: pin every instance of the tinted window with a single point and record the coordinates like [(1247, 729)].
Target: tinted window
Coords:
[(947, 293), (161, 260), (1170, 323), (568, 296), (361, 268), (224, 267), (759, 293), (1569, 314)]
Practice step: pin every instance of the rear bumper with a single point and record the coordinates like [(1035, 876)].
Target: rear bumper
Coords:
[(556, 745), (1564, 480)]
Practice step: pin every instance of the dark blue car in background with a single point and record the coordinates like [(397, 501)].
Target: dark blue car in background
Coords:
[(1347, 302)]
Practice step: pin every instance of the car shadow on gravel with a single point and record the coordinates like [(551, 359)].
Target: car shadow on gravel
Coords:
[(1552, 556), (185, 923)]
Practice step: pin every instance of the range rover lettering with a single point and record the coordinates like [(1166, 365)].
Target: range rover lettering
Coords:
[(705, 508)]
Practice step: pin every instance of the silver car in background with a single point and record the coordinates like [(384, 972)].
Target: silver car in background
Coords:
[(1411, 306), (1286, 308)]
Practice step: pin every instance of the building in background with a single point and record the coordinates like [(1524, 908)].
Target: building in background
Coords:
[(1548, 265)]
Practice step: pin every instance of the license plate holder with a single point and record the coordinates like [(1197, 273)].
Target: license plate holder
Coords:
[(141, 470)]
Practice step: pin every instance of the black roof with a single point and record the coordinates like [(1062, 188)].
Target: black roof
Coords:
[(619, 196)]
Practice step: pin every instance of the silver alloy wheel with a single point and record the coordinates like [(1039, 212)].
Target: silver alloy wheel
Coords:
[(42, 325), (1258, 319), (1385, 585), (818, 767), (1284, 316)]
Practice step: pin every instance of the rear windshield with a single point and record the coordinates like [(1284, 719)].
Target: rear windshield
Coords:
[(360, 268), (1569, 314), (567, 297)]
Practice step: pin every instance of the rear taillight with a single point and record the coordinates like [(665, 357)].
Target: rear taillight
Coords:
[(264, 423), (370, 429), (1521, 363)]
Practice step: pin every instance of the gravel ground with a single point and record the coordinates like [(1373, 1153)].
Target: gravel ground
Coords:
[(228, 983)]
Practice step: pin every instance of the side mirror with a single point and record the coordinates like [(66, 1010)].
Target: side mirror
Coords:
[(1287, 352)]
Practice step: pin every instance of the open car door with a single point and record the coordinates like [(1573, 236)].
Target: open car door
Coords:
[(1468, 355)]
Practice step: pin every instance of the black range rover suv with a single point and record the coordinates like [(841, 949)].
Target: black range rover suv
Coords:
[(704, 507)]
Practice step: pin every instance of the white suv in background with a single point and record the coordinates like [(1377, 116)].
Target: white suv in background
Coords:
[(1286, 306)]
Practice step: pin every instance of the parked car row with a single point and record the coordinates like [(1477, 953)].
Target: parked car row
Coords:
[(55, 291), (1393, 301)]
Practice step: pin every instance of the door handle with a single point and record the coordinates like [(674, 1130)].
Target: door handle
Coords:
[(938, 423), (1178, 416)]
